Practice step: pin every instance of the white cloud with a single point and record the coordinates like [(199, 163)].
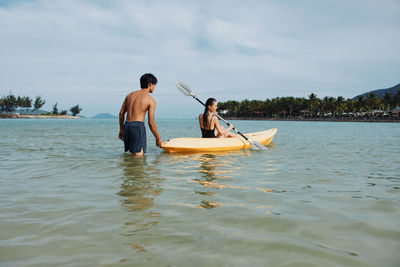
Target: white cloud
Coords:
[(93, 54)]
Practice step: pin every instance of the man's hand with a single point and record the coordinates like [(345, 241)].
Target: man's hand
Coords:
[(121, 135), (158, 142)]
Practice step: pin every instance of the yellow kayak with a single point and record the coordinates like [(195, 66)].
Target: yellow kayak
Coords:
[(197, 144)]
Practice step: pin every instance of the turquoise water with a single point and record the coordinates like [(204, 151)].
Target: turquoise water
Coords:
[(323, 194)]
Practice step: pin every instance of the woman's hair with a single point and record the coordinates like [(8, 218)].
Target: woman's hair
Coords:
[(209, 102)]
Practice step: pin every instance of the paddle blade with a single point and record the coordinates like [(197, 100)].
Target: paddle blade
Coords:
[(259, 146), (184, 88), (253, 146)]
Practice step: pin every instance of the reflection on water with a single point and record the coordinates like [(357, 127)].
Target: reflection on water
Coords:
[(208, 166), (212, 167), (214, 172), (141, 183), (326, 195), (140, 186)]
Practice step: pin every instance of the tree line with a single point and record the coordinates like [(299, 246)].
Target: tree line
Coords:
[(312, 106), (10, 103)]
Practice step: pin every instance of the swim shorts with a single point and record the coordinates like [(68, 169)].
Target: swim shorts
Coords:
[(135, 136)]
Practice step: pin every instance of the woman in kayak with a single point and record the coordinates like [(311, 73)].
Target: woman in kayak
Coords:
[(209, 125)]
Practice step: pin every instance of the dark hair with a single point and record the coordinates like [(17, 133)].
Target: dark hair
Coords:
[(146, 79), (209, 102)]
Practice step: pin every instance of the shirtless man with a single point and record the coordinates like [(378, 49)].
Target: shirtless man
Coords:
[(136, 104)]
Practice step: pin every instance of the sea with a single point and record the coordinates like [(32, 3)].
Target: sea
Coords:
[(322, 194)]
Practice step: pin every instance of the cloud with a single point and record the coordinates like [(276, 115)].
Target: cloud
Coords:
[(93, 53)]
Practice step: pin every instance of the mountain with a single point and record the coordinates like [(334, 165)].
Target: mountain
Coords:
[(104, 116), (381, 92)]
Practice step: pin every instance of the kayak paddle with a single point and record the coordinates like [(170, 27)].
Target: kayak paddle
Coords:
[(185, 89)]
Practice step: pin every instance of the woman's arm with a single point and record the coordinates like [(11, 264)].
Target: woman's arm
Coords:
[(221, 130)]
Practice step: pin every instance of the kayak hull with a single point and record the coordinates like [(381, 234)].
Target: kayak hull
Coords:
[(196, 144)]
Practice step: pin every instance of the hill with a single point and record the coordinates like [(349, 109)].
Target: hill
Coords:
[(104, 116), (381, 92)]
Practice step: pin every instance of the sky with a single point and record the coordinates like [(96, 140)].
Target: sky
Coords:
[(92, 53)]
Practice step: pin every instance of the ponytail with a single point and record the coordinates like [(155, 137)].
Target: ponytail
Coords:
[(209, 102)]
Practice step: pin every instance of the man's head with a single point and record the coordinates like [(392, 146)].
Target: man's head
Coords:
[(148, 80)]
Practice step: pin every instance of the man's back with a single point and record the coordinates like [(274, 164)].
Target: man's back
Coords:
[(137, 103)]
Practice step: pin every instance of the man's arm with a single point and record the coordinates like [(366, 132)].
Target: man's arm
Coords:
[(121, 120), (152, 123)]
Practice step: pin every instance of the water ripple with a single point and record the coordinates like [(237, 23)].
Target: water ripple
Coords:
[(322, 194)]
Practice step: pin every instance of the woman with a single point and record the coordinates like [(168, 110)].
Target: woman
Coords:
[(209, 125)]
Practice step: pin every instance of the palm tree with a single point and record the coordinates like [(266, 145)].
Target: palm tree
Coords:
[(255, 107), (372, 101), (312, 99), (245, 107), (339, 105), (274, 106), (2, 104), (39, 102), (396, 99), (232, 107), (350, 105), (55, 109), (332, 105), (267, 106), (290, 103), (75, 110), (10, 103), (20, 102), (27, 103), (361, 104), (281, 106), (324, 105), (387, 99), (297, 106)]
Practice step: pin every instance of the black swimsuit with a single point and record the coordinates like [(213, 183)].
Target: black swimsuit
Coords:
[(208, 133)]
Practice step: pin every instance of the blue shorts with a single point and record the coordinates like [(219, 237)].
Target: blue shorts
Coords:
[(135, 138)]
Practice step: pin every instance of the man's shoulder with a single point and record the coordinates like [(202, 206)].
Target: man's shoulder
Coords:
[(143, 97), (149, 98), (132, 93)]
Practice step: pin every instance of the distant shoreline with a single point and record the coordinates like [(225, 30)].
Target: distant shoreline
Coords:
[(335, 119), (25, 116)]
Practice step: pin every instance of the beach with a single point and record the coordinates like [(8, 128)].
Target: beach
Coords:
[(35, 116)]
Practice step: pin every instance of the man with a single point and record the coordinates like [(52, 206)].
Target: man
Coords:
[(136, 104)]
